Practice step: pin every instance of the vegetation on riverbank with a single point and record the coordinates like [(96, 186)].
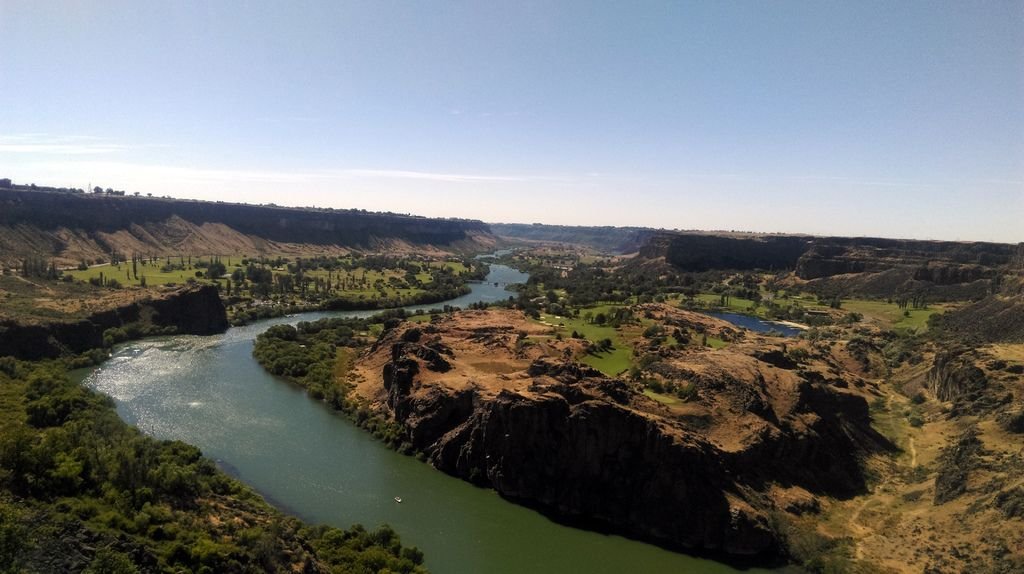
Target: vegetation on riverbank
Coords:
[(317, 356), (251, 288), (81, 490)]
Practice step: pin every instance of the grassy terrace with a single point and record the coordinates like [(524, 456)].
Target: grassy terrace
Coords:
[(358, 281), (891, 314), (612, 362), (888, 315), (664, 399), (153, 273), (39, 300), (735, 304)]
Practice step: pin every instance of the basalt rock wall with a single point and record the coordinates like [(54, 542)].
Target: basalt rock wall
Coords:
[(190, 310), (578, 445), (940, 262)]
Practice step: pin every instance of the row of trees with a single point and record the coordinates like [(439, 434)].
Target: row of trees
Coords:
[(39, 267)]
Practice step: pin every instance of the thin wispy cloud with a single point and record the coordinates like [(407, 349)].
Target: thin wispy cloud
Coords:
[(57, 144), (1017, 182), (138, 171), (291, 119), (153, 172), (430, 176), (862, 181), (825, 179)]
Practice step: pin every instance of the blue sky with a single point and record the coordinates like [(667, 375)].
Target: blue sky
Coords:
[(901, 119)]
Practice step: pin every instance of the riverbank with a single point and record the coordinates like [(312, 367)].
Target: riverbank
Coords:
[(209, 392), (800, 326), (246, 312), (82, 490)]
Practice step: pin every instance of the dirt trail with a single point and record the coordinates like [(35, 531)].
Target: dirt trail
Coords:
[(913, 454), (861, 532)]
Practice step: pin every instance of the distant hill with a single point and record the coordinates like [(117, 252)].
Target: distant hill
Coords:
[(73, 227), (613, 240)]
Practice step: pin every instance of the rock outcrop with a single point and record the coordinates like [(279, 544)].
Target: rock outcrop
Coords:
[(195, 310), (700, 252), (955, 464), (954, 376), (560, 436), (875, 267)]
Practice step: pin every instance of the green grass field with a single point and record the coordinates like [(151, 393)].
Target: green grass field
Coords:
[(736, 304), (154, 275), (613, 362), (890, 313), (663, 399)]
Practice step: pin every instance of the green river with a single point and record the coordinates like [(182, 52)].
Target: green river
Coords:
[(313, 463)]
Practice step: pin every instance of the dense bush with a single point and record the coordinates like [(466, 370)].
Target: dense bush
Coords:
[(69, 465), (307, 355)]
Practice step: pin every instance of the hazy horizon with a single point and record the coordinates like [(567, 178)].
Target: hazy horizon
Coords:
[(860, 120)]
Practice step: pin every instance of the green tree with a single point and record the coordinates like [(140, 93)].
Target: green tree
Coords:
[(109, 561)]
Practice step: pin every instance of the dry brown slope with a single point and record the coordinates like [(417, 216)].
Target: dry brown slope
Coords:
[(953, 500)]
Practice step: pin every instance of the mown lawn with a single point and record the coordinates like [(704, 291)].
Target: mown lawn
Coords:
[(663, 399), (890, 314), (359, 282), (152, 272), (736, 304), (613, 362)]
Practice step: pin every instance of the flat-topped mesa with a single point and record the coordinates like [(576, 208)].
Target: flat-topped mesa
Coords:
[(537, 427), (875, 267), (940, 262), (814, 257), (73, 227)]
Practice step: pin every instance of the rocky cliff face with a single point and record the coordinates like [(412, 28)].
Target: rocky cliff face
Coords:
[(573, 446), (866, 266), (189, 310), (939, 262), (72, 226), (562, 437), (695, 252), (954, 376)]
